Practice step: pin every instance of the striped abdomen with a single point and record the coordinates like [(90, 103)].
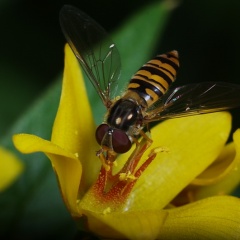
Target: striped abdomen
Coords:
[(153, 79)]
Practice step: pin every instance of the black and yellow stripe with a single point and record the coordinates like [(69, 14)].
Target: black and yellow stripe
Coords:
[(153, 79)]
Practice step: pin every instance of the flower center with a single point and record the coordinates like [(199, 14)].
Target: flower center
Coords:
[(115, 188)]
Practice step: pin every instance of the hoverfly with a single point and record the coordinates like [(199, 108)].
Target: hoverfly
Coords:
[(148, 97)]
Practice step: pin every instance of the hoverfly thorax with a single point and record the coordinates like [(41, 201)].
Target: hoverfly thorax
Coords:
[(123, 118), (124, 114)]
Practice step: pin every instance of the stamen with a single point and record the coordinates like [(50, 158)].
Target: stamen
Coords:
[(107, 210), (157, 150), (126, 176), (103, 161), (115, 188), (76, 132)]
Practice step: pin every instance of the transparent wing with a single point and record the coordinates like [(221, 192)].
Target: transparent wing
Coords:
[(195, 99), (94, 49)]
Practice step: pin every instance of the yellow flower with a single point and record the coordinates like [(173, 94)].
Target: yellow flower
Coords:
[(176, 188), (10, 168)]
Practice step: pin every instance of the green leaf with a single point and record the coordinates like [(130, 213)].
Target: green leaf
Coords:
[(33, 205)]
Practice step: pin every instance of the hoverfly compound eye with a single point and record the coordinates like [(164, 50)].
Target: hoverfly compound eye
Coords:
[(120, 141), (100, 132)]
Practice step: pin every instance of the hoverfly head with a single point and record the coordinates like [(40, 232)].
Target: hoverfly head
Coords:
[(112, 138)]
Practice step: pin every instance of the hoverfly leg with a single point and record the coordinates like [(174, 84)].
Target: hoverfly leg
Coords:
[(146, 136), (157, 150), (111, 156), (107, 157), (103, 160), (148, 128), (135, 140)]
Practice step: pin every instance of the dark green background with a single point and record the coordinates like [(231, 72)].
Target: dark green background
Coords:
[(206, 34)]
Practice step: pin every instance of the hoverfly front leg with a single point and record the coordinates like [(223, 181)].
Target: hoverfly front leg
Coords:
[(147, 134), (107, 157)]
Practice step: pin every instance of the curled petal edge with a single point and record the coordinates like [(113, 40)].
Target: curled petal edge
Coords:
[(67, 166)]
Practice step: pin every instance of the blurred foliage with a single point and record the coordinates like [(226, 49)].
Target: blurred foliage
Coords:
[(206, 33)]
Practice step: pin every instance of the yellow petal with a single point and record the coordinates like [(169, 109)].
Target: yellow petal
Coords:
[(73, 146), (10, 168), (66, 165), (127, 225), (74, 119), (74, 128), (219, 168), (193, 143), (211, 218), (225, 173)]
